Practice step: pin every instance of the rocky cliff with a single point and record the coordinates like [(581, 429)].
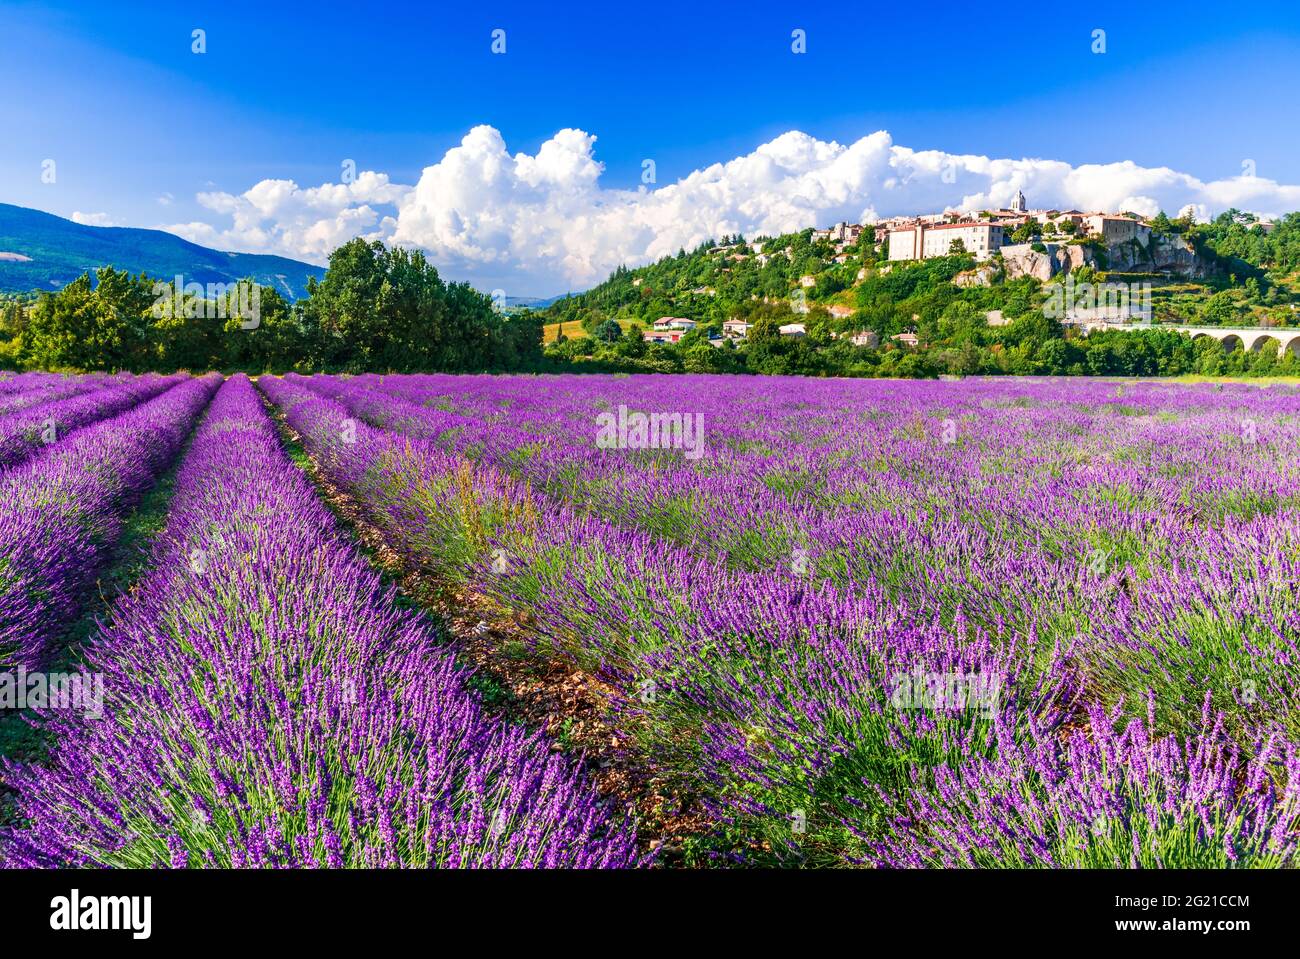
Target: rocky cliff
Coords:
[(1152, 253)]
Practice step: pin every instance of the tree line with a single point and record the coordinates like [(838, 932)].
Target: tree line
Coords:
[(377, 309)]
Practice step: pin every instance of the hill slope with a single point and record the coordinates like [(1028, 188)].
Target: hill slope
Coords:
[(1231, 271), (40, 251)]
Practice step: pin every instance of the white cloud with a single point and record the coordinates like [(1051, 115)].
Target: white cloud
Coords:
[(544, 223), (279, 216), (166, 199), (93, 219)]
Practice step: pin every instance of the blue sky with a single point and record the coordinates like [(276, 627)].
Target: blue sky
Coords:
[(140, 126)]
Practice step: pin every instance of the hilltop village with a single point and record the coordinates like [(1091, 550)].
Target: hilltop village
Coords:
[(1026, 242), (910, 290)]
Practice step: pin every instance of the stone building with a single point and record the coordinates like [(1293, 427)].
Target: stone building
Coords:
[(922, 241)]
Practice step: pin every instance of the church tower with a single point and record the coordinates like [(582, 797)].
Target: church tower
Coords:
[(1018, 205)]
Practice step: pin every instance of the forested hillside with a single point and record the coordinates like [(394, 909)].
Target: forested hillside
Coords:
[(945, 303), (40, 251)]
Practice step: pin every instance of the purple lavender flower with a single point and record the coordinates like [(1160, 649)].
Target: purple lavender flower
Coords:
[(268, 704)]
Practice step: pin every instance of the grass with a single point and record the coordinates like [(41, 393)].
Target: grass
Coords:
[(573, 329), (1249, 380)]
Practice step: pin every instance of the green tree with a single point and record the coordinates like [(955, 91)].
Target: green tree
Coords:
[(92, 324), (608, 332), (387, 309), (273, 341)]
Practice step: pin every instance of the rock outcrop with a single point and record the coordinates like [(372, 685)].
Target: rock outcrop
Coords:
[(983, 275), (1021, 259), (1158, 253), (1150, 253)]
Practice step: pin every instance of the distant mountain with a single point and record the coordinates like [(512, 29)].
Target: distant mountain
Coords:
[(533, 302), (40, 251)]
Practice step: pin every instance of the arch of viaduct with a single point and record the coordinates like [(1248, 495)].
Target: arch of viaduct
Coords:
[(1251, 338)]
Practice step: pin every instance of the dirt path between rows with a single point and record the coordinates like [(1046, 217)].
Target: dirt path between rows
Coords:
[(568, 704)]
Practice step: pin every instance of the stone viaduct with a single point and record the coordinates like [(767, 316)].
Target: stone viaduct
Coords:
[(1252, 338)]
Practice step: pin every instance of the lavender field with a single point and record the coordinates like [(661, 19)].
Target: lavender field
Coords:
[(649, 621)]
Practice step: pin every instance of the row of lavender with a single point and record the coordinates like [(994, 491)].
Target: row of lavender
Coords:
[(803, 704), (61, 512), (268, 704), (39, 416), (770, 454), (12, 384), (51, 388), (1160, 522)]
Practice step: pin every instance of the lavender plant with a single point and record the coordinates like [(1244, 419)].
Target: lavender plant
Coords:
[(61, 513), (268, 704), (1091, 554), (29, 431)]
